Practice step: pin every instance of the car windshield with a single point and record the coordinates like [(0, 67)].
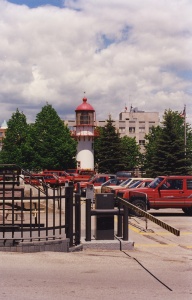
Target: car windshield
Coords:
[(91, 179), (110, 181), (135, 184), (124, 183), (155, 182)]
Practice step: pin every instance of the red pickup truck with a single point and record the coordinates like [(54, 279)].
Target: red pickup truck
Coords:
[(163, 192)]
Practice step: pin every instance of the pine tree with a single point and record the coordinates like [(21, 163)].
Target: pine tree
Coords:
[(14, 142), (130, 155), (166, 152), (54, 148), (108, 149), (151, 147)]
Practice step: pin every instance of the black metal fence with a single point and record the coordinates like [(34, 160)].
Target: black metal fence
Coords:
[(28, 216)]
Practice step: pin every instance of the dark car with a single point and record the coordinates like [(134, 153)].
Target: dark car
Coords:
[(124, 175)]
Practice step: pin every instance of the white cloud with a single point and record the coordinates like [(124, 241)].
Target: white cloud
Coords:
[(119, 52)]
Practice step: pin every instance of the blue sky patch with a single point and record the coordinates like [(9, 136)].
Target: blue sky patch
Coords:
[(36, 3), (185, 74)]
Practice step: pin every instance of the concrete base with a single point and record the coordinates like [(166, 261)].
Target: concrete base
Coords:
[(60, 245), (116, 244)]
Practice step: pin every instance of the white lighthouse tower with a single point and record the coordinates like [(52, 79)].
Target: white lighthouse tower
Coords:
[(84, 133)]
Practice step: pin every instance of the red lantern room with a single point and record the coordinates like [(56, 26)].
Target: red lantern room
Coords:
[(85, 114)]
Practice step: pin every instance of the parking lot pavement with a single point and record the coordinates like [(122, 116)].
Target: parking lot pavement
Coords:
[(159, 267), (94, 274)]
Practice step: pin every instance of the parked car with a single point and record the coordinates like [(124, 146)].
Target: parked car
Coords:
[(123, 185), (110, 182), (81, 174), (33, 179), (60, 174), (51, 180), (96, 180), (163, 192), (136, 185), (144, 183), (123, 175)]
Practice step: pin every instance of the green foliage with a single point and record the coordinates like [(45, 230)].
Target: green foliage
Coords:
[(108, 149), (14, 142), (165, 151), (53, 146), (150, 161), (47, 144), (130, 155)]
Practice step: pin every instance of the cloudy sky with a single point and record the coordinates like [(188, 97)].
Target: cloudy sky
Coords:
[(120, 52)]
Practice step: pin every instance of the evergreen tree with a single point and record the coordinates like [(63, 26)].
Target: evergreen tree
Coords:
[(54, 148), (14, 142), (108, 149), (166, 152), (130, 153), (151, 147), (97, 146)]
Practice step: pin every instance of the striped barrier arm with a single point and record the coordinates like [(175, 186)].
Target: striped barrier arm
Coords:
[(150, 217)]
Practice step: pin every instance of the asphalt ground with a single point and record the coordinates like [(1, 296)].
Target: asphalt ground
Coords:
[(158, 267)]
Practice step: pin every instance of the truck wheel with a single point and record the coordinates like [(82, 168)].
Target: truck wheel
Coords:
[(187, 211), (140, 204)]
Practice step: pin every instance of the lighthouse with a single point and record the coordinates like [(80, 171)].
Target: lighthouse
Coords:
[(84, 134)]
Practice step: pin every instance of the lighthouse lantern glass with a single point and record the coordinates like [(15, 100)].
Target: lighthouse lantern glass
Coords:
[(85, 118)]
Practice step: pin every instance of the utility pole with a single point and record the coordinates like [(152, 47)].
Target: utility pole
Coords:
[(185, 129)]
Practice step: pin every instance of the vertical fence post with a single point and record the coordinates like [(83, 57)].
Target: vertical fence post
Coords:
[(77, 219), (125, 223), (88, 220), (69, 213), (119, 221)]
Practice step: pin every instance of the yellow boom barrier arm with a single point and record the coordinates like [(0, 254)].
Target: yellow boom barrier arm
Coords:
[(151, 218)]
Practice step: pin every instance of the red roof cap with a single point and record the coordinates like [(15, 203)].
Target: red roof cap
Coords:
[(85, 106)]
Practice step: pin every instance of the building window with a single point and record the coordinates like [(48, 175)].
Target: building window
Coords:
[(141, 142), (122, 129), (141, 129), (131, 129)]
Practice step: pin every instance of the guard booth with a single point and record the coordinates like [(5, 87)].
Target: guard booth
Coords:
[(104, 227)]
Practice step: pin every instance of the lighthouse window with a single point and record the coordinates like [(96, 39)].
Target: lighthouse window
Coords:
[(84, 118)]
